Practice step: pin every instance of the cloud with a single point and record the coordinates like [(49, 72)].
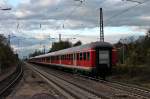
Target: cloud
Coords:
[(23, 13), (39, 18), (75, 16)]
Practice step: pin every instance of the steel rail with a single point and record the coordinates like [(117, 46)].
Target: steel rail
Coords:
[(133, 91), (13, 81), (75, 90)]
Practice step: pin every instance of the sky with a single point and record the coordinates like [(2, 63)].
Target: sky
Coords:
[(34, 24)]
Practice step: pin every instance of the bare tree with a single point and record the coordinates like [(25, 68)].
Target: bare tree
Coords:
[(148, 33)]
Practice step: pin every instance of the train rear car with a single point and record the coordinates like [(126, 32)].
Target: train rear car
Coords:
[(94, 58)]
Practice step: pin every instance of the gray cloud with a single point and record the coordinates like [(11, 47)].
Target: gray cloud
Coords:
[(69, 13), (34, 15)]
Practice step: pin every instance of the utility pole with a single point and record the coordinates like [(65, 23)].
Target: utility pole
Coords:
[(9, 39), (123, 51), (101, 26), (123, 54), (44, 49), (59, 37)]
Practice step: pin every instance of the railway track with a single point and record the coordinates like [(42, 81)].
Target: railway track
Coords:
[(114, 89), (68, 89), (133, 89), (7, 84)]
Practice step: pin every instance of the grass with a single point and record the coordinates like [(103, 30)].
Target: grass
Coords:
[(138, 75)]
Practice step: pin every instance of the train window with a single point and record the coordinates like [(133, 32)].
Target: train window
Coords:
[(47, 59), (80, 56), (74, 57), (67, 57), (77, 56), (84, 55), (88, 56), (104, 57), (71, 56)]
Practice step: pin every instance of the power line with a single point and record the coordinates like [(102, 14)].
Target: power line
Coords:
[(126, 10), (74, 9), (133, 1)]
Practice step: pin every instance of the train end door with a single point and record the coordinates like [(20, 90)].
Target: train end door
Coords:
[(103, 62)]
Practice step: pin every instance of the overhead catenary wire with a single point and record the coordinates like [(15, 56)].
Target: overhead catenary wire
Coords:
[(133, 1), (124, 11), (72, 11), (118, 14)]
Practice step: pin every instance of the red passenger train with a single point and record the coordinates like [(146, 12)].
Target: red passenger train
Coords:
[(94, 58)]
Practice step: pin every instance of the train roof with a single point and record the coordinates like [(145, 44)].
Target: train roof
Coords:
[(76, 49)]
